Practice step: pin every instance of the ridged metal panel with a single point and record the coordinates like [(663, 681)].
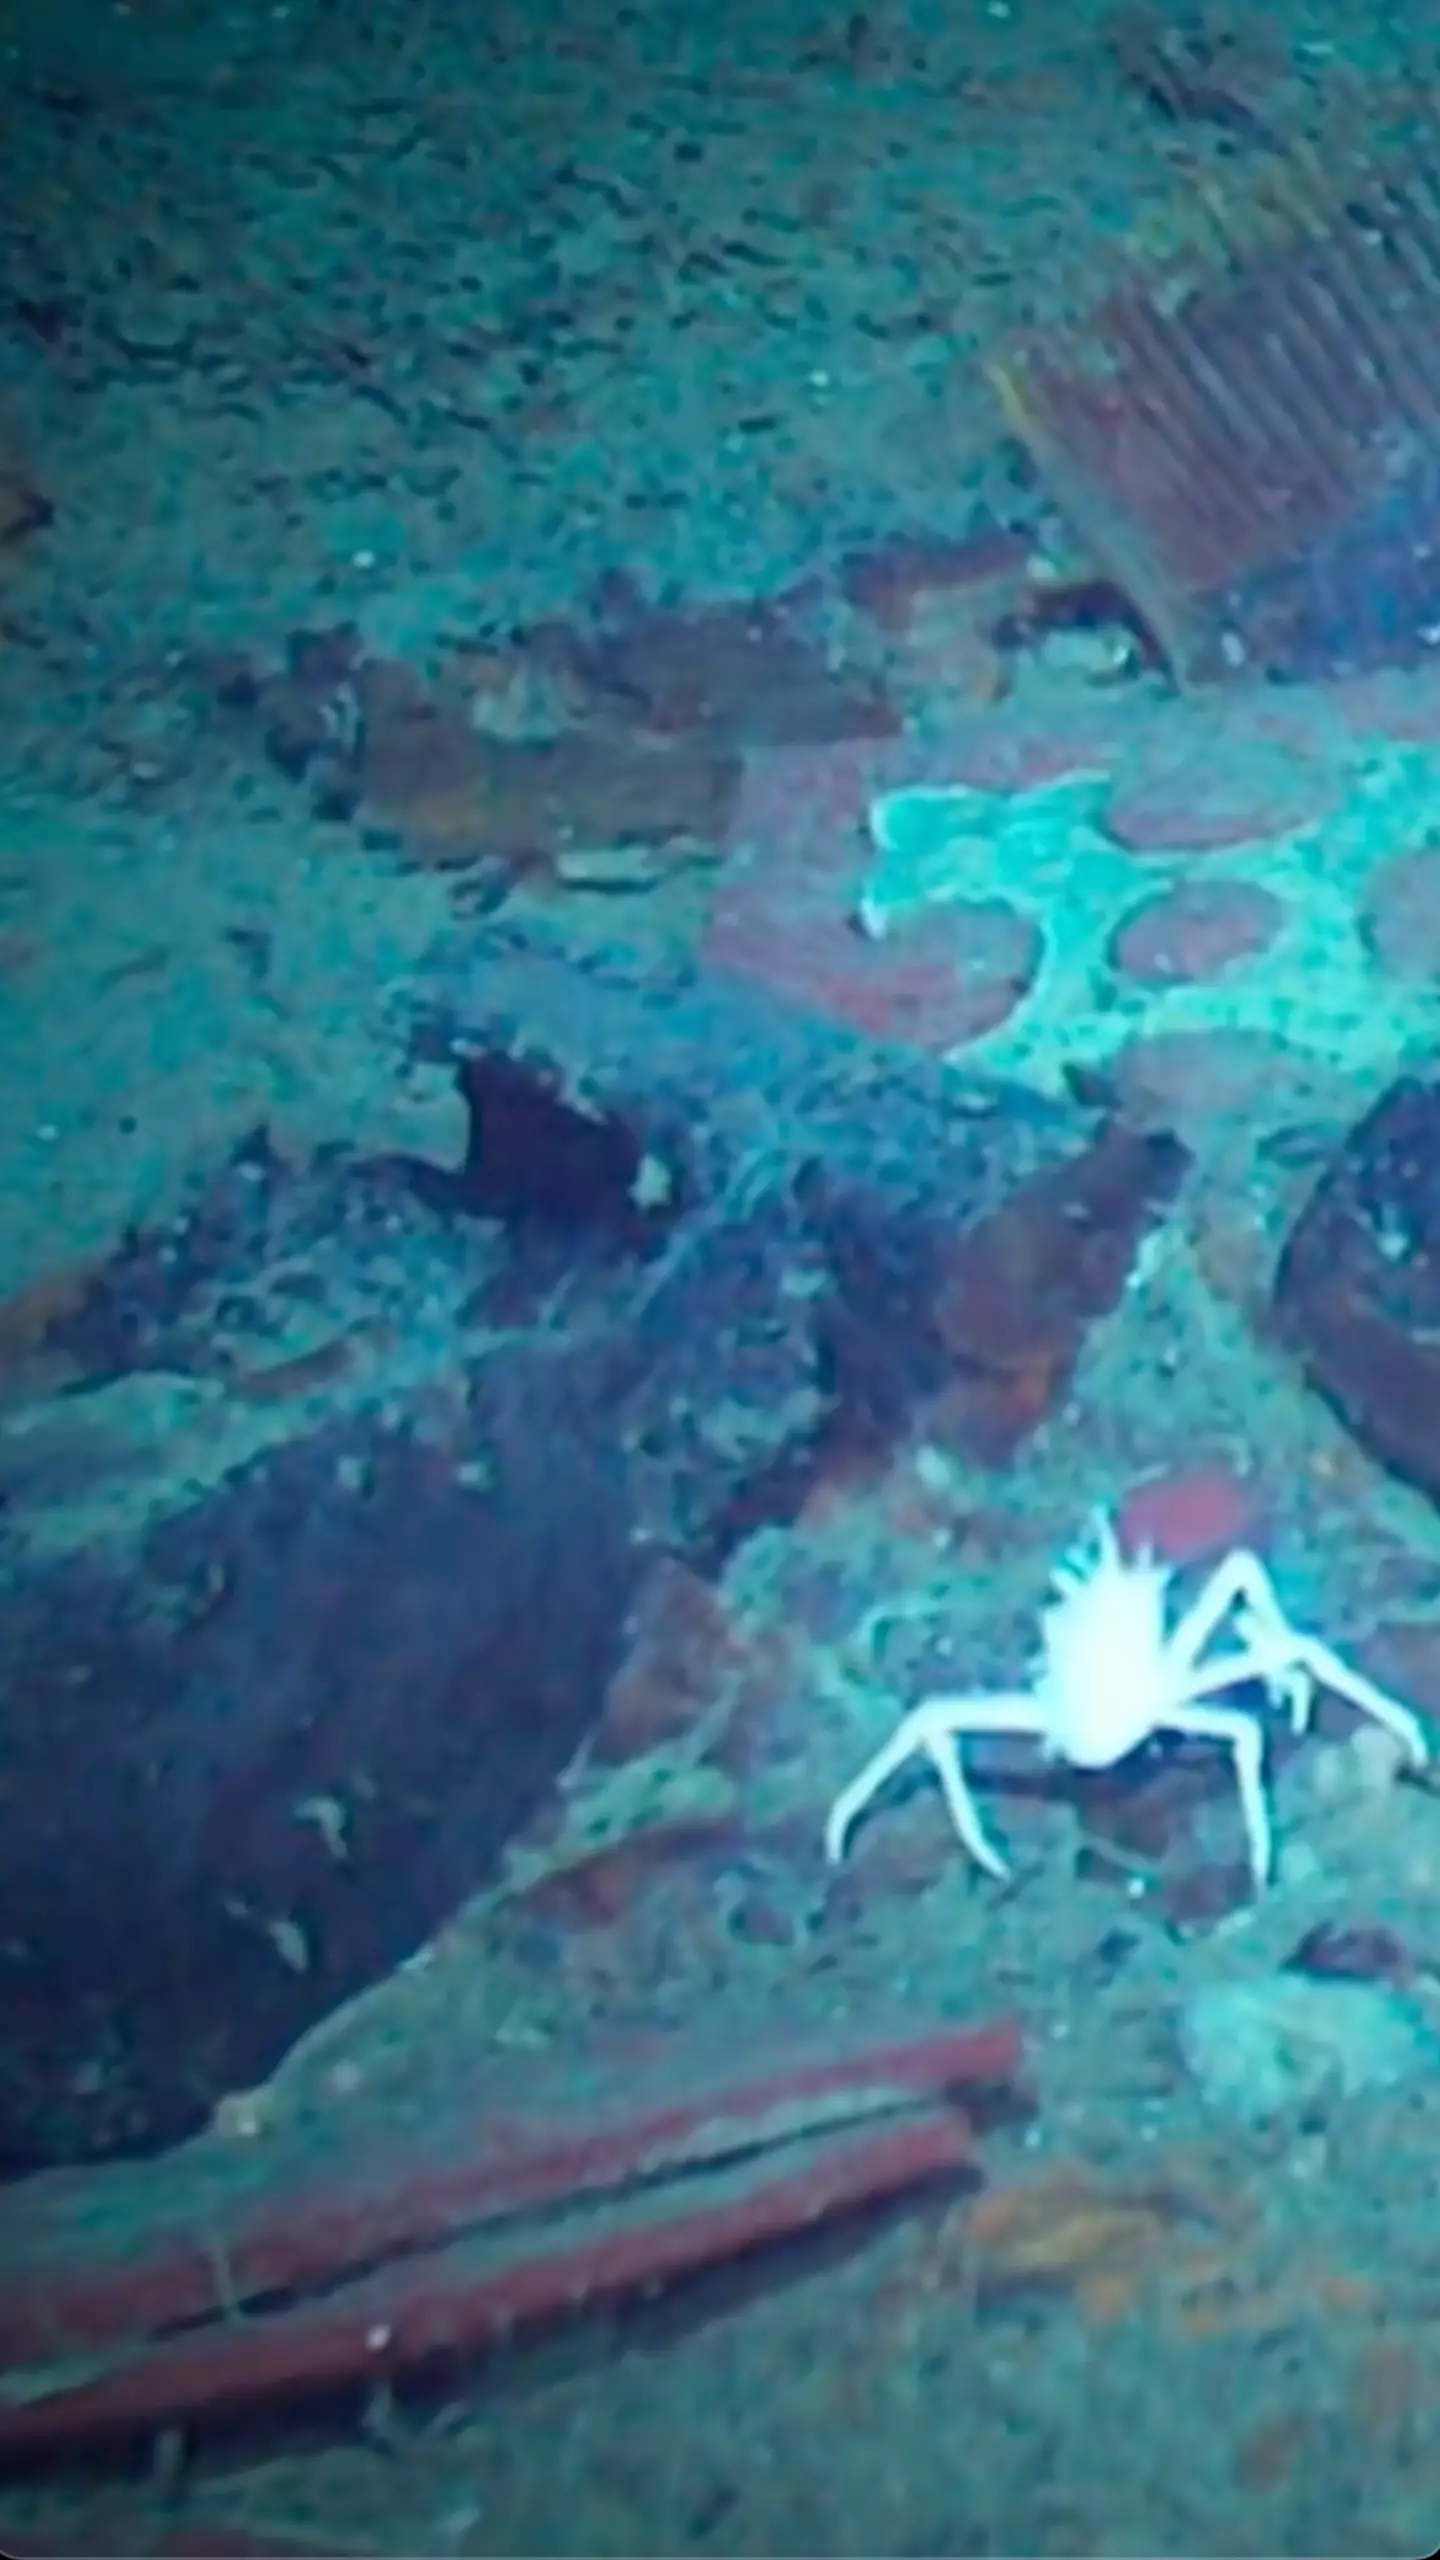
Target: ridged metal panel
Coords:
[(1214, 434)]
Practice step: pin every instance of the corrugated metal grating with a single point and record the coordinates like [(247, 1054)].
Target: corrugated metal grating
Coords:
[(1254, 451)]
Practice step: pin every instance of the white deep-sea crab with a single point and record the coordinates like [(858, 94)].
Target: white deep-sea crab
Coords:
[(1111, 1673)]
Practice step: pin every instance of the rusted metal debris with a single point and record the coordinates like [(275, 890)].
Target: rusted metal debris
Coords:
[(1251, 446)]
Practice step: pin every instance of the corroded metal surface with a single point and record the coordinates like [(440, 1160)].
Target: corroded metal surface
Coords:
[(1253, 448)]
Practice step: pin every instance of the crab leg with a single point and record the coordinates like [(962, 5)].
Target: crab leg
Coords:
[(1291, 1665), (1240, 1582), (1326, 1670), (934, 1728), (1286, 1682), (1291, 1671)]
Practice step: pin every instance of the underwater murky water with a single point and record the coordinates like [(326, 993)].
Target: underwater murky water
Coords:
[(719, 932)]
